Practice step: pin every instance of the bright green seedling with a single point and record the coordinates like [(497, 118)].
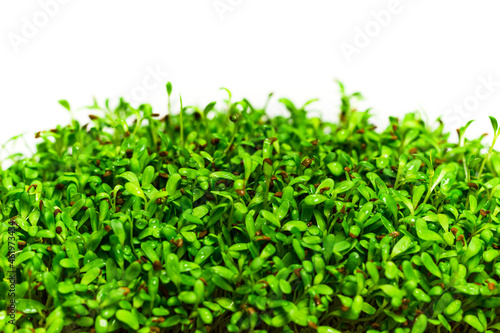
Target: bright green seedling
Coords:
[(225, 219)]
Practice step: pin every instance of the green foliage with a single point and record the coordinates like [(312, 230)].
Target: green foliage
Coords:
[(223, 219)]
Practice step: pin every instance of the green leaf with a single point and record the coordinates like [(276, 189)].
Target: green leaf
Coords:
[(344, 186), (149, 252), (158, 195), (132, 272), (90, 276), (128, 318), (322, 289), (205, 315), (283, 210), (209, 108), (50, 283), (173, 269), (118, 230), (494, 124), (424, 159), (430, 265), (314, 199), (388, 199), (418, 191), (474, 322), (301, 226), (474, 247), (420, 324), (136, 190), (147, 176), (299, 179), (271, 218), (285, 287), (424, 233), (130, 176), (68, 263), (65, 104), (99, 263), (24, 256), (327, 329), (29, 306), (444, 221), (401, 246), (223, 175), (203, 254), (173, 183), (227, 303)]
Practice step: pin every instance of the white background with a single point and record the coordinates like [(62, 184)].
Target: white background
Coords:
[(432, 56)]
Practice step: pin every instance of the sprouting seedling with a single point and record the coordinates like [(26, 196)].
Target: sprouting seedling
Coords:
[(65, 104), (181, 111), (210, 106), (268, 100), (496, 133), (169, 92), (229, 95), (461, 143)]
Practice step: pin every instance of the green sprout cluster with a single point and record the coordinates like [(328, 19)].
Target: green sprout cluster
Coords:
[(225, 219)]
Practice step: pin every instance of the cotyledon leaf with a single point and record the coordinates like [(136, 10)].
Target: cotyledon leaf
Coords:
[(401, 246), (135, 189)]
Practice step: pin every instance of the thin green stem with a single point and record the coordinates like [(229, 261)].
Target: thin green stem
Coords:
[(487, 156)]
